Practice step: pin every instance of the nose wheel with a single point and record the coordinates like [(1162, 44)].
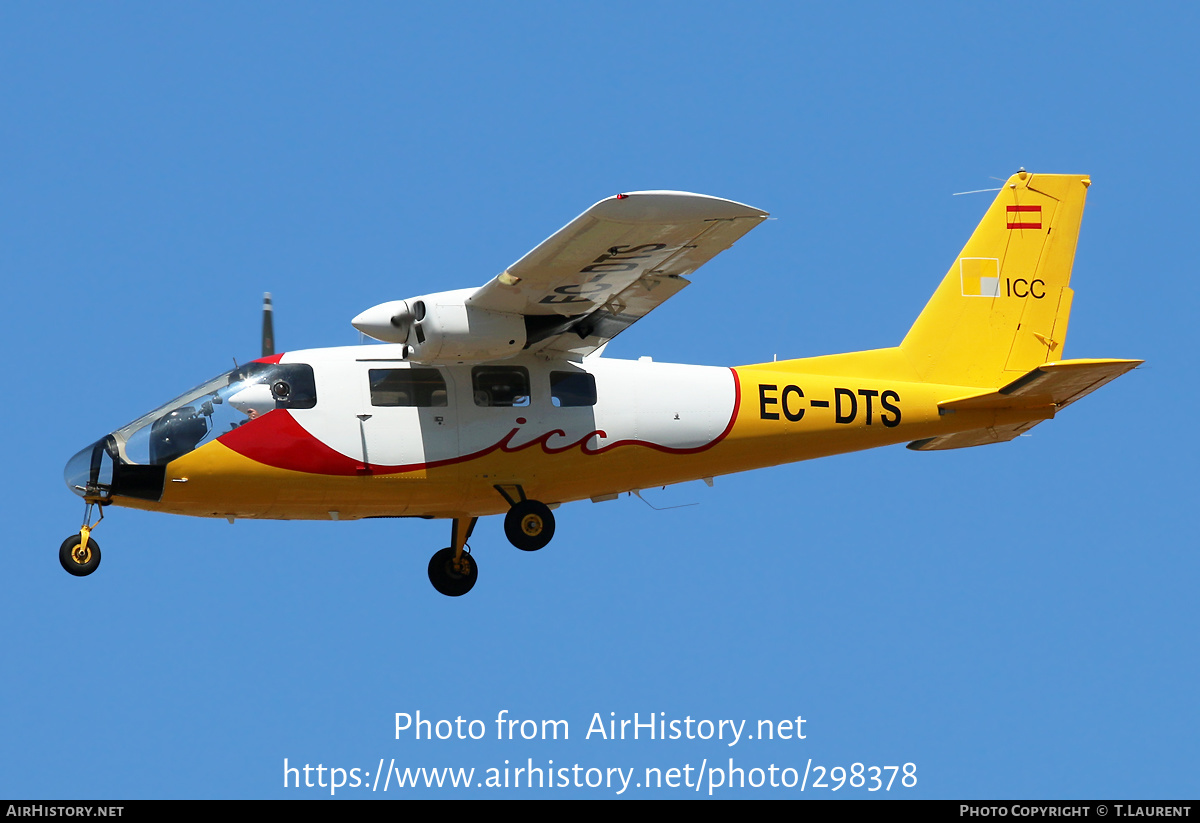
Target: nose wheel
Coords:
[(79, 554), (78, 557)]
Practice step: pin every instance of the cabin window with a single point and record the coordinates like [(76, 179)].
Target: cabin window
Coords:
[(572, 388), (407, 387), (500, 385)]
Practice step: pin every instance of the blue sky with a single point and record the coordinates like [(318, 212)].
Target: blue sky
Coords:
[(1017, 621)]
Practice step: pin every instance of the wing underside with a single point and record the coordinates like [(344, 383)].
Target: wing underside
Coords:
[(613, 265)]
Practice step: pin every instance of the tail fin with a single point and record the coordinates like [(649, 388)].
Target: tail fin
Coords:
[(1002, 309)]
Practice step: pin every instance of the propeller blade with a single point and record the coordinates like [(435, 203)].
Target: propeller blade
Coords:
[(268, 330)]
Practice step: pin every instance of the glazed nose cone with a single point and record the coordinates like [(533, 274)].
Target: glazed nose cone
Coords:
[(79, 470)]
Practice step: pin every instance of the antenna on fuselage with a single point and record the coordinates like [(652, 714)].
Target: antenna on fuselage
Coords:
[(268, 327), (638, 494), (980, 191)]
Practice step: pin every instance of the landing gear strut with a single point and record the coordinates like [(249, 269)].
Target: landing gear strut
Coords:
[(79, 554), (452, 571)]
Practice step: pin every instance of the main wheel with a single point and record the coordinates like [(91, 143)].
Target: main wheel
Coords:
[(78, 559), (446, 578), (529, 525)]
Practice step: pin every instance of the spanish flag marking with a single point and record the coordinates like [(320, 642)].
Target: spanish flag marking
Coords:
[(1024, 217)]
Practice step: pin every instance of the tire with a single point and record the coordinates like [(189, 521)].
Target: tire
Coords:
[(529, 525), (77, 560), (444, 577)]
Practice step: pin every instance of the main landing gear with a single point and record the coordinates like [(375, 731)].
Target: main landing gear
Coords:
[(452, 571), (529, 525), (79, 554)]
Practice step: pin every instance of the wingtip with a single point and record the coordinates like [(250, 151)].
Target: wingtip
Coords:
[(666, 205)]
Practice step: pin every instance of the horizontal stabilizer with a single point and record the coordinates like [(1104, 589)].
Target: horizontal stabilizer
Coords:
[(1059, 384), (1055, 385), (974, 437)]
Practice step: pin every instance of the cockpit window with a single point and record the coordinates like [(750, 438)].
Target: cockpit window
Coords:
[(215, 408), (292, 385)]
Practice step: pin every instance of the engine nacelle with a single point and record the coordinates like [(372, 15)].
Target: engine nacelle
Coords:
[(442, 328)]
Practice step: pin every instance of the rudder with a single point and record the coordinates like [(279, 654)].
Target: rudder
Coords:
[(1003, 307)]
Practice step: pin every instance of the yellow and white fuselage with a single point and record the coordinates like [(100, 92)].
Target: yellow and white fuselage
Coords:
[(663, 424)]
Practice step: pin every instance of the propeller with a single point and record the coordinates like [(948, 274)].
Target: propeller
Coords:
[(403, 321), (268, 328)]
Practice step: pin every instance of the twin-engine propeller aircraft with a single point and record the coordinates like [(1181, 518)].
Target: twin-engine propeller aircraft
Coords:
[(497, 400)]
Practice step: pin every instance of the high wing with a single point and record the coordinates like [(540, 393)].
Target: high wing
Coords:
[(612, 265)]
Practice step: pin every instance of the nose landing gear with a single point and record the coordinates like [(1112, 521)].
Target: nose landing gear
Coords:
[(79, 554)]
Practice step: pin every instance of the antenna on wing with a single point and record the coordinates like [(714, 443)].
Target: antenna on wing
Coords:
[(268, 326)]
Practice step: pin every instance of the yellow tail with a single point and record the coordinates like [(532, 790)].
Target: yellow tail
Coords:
[(1002, 309)]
